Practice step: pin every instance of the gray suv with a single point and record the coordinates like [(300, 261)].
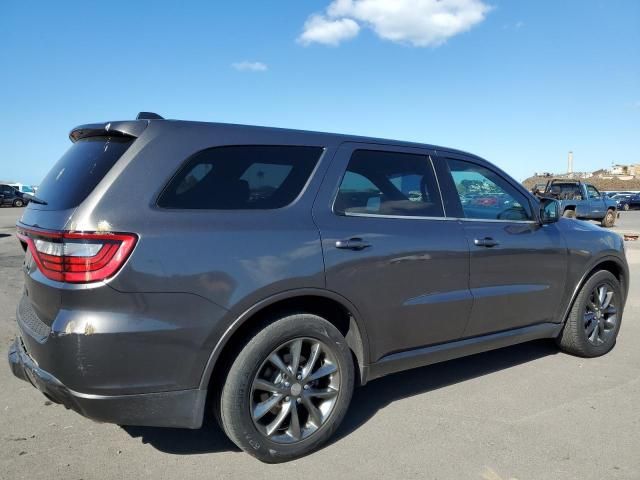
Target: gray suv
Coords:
[(174, 269)]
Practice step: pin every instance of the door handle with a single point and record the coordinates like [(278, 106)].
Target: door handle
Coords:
[(485, 242), (352, 244)]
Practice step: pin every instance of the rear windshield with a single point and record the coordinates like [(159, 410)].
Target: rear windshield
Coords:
[(249, 177), (566, 190), (79, 170)]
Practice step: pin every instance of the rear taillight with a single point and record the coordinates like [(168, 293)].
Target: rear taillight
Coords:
[(78, 257)]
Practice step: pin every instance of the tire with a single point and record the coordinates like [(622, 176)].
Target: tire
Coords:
[(242, 399), (575, 337), (609, 219), (625, 207), (569, 214), (18, 203)]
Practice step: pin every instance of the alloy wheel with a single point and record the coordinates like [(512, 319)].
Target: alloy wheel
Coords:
[(600, 315), (295, 390)]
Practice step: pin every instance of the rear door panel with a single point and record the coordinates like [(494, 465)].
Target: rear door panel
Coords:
[(411, 284)]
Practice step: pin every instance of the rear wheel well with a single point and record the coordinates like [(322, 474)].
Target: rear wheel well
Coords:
[(331, 310)]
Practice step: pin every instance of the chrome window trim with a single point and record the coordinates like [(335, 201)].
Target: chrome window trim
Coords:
[(496, 220), (435, 175), (410, 217), (402, 217)]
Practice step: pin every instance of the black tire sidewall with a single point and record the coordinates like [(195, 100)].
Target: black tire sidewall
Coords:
[(235, 397), (18, 203), (598, 279)]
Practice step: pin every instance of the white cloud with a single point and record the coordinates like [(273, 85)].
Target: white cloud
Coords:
[(321, 29), (250, 66), (420, 23)]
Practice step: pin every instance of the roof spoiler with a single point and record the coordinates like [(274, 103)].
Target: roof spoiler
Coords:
[(126, 128)]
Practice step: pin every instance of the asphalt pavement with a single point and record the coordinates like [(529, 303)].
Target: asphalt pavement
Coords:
[(524, 412)]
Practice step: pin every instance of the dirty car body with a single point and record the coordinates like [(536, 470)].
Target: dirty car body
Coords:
[(137, 338)]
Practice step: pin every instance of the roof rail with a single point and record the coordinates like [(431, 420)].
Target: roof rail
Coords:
[(148, 116)]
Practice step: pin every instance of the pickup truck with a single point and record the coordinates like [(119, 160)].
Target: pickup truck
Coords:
[(581, 200)]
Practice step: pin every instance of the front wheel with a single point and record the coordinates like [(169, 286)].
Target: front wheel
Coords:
[(288, 389), (569, 214), (609, 219), (594, 321), (18, 203), (626, 207)]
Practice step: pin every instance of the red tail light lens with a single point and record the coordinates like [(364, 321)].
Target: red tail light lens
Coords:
[(78, 257)]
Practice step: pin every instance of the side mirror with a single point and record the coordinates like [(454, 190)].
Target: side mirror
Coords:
[(549, 210)]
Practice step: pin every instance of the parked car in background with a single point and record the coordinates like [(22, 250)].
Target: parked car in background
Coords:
[(634, 200), (622, 201), (261, 273), (10, 196), (23, 188), (582, 200)]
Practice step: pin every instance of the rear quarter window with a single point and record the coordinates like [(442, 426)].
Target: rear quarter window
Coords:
[(249, 177)]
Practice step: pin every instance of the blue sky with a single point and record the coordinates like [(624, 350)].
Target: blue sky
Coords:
[(518, 82)]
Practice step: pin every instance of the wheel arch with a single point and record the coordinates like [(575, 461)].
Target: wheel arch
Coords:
[(333, 307), (609, 263)]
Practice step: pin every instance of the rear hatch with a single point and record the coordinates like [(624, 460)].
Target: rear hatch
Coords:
[(59, 261)]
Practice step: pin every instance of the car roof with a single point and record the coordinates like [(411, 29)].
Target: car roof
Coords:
[(135, 128)]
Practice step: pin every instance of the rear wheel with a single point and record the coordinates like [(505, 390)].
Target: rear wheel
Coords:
[(288, 389), (609, 219), (569, 214), (594, 321), (18, 203)]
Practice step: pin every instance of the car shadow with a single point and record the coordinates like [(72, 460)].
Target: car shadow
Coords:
[(181, 441), (378, 394), (367, 400)]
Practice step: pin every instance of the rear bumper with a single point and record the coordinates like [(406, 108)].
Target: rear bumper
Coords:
[(181, 409)]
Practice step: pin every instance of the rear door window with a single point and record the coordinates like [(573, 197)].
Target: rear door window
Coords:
[(79, 170), (390, 184), (249, 177)]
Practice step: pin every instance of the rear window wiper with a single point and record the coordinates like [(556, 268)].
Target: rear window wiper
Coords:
[(34, 199)]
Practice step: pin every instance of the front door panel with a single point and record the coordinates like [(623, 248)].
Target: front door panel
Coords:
[(518, 267), (517, 282)]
